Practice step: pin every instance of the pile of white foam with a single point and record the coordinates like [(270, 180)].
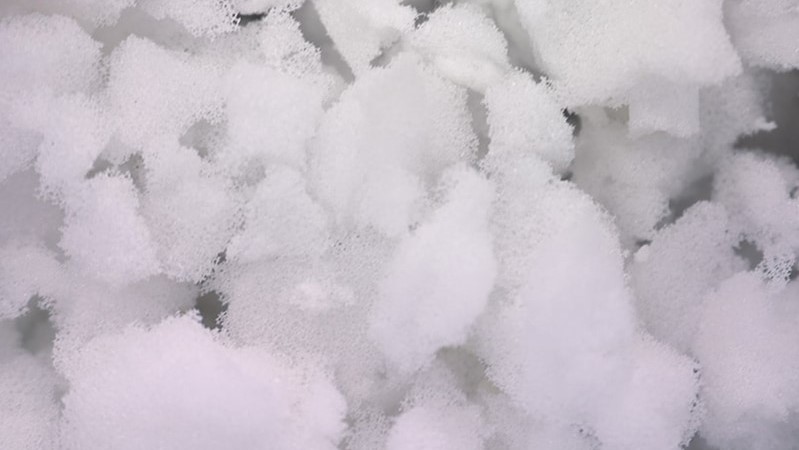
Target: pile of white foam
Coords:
[(475, 224)]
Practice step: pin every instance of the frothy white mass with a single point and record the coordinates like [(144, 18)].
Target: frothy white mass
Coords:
[(399, 224)]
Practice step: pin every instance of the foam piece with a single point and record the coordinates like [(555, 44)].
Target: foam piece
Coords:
[(218, 394), (463, 45), (524, 118), (602, 54), (758, 195), (664, 387), (362, 29), (280, 220), (764, 31), (541, 242), (385, 141), (51, 67), (684, 262), (74, 131), (200, 18), (633, 178), (284, 46), (190, 210), (745, 345), (557, 32), (292, 108), (155, 77), (46, 52), (105, 216), (439, 279)]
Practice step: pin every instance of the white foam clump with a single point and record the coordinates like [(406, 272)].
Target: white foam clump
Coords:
[(280, 219), (40, 79), (604, 53), (74, 133), (525, 118), (283, 80), (758, 192), (293, 105), (565, 351), (191, 212), (33, 63), (440, 277), (635, 179), (173, 90), (676, 271), (765, 32), (218, 395), (463, 45), (746, 344), (363, 29), (366, 165), (106, 216)]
